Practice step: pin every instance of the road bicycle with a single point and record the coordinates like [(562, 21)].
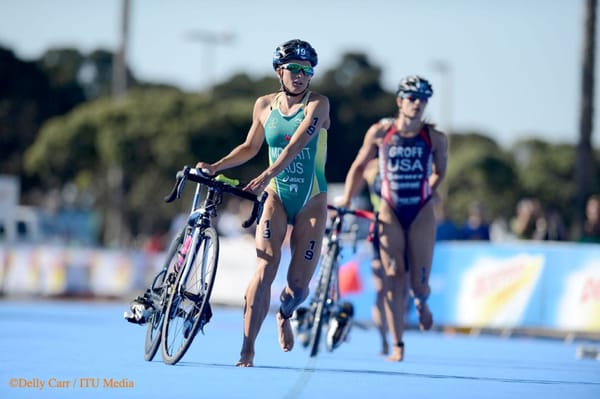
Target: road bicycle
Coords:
[(180, 292), (325, 311)]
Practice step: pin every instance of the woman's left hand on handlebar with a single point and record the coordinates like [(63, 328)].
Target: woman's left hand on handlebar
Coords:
[(258, 184), (206, 168)]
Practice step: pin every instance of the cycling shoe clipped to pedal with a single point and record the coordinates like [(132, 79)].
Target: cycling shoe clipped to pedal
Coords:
[(301, 326), (339, 325), (141, 310), (204, 319), (206, 316)]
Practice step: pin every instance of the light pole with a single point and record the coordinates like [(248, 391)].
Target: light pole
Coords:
[(447, 79), (445, 71), (210, 40), (119, 77)]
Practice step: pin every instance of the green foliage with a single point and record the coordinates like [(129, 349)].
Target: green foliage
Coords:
[(154, 130), (243, 86), (25, 90), (357, 100), (479, 170), (548, 172), (149, 135)]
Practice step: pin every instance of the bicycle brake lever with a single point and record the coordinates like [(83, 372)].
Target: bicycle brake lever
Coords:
[(257, 210), (180, 178), (261, 206)]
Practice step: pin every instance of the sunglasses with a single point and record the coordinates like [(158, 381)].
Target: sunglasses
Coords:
[(412, 97), (296, 68)]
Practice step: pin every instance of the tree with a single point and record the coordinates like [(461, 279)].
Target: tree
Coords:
[(149, 134), (546, 172), (25, 95), (242, 85), (479, 169), (154, 130), (357, 100)]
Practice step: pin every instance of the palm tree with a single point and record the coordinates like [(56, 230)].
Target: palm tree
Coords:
[(584, 168)]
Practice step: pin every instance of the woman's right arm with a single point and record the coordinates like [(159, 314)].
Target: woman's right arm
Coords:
[(354, 178), (250, 147)]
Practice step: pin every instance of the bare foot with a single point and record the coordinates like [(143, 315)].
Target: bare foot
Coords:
[(245, 361), (425, 317), (397, 354), (286, 334)]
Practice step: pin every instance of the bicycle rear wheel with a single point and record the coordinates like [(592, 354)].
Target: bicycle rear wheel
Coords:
[(159, 299), (321, 313), (188, 308)]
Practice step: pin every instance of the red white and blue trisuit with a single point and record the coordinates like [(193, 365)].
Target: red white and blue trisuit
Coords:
[(405, 164)]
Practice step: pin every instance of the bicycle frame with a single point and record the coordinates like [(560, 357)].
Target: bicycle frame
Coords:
[(327, 292), (199, 219), (194, 250), (202, 212), (330, 259)]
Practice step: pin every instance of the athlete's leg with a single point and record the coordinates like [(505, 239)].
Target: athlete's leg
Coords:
[(392, 242), (378, 311), (421, 241), (305, 247), (270, 234)]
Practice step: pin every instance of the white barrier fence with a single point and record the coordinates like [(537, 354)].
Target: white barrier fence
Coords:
[(528, 285)]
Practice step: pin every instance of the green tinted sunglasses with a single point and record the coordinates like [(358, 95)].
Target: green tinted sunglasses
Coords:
[(296, 68)]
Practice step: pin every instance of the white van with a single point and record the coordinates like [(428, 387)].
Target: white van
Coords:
[(21, 225), (17, 223)]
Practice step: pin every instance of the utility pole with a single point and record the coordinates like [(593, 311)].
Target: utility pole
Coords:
[(115, 231), (446, 93), (446, 106)]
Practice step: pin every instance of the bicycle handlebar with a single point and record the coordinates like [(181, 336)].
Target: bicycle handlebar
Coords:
[(356, 212), (222, 184)]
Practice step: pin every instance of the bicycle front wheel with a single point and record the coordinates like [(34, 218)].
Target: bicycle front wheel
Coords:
[(188, 308), (159, 298), (322, 305)]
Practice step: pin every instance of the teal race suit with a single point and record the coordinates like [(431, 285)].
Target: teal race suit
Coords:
[(304, 177)]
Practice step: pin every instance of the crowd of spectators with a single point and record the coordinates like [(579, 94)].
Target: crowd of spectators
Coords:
[(531, 221)]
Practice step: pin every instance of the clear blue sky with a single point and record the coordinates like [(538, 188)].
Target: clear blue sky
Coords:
[(515, 64)]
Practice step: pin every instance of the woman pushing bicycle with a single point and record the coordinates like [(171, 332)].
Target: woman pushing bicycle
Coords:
[(294, 123), (413, 157)]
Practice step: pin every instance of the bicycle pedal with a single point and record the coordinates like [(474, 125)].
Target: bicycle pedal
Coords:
[(130, 317)]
